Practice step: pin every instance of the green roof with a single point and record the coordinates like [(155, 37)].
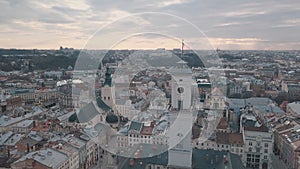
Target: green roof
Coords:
[(108, 80), (202, 159), (73, 118), (102, 105), (209, 159), (112, 118), (204, 85), (160, 159), (87, 113), (134, 125)]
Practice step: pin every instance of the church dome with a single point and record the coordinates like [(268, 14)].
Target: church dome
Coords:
[(112, 118)]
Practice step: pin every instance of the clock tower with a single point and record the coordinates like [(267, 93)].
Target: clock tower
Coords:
[(179, 135), (181, 86)]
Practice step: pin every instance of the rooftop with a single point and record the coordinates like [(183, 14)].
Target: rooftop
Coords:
[(201, 159), (229, 138), (295, 106), (74, 141), (135, 126), (223, 124), (7, 121), (12, 141), (252, 123), (5, 136), (49, 157), (29, 141), (87, 113), (25, 123), (101, 104), (65, 148), (147, 130)]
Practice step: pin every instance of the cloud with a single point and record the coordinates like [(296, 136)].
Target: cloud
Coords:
[(293, 21), (244, 13), (288, 23), (227, 24), (171, 2), (231, 25), (236, 43)]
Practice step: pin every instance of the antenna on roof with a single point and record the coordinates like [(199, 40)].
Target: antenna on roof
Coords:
[(182, 45)]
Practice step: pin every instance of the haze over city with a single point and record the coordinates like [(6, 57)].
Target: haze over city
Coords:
[(148, 84)]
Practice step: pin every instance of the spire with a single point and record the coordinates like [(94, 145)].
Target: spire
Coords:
[(182, 45), (108, 80)]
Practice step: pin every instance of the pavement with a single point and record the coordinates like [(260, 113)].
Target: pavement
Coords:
[(277, 163)]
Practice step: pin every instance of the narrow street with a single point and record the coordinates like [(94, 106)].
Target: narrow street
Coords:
[(277, 163)]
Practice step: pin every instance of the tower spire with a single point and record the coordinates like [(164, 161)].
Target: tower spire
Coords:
[(108, 80), (182, 45)]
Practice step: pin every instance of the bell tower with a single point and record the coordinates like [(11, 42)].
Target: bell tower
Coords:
[(181, 86), (107, 90), (179, 134)]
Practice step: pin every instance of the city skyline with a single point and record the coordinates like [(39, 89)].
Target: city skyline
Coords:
[(247, 25)]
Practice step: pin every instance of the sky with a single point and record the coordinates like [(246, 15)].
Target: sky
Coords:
[(227, 25)]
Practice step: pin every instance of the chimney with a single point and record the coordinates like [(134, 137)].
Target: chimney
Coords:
[(49, 153), (28, 148)]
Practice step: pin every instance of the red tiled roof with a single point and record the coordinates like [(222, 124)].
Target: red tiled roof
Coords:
[(285, 127), (223, 124), (262, 128), (236, 138), (229, 138), (147, 130)]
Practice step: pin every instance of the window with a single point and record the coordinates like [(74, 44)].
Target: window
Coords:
[(266, 151), (250, 149), (104, 98), (250, 143), (266, 145), (265, 157), (108, 98)]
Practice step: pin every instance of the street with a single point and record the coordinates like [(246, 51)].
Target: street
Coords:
[(277, 163)]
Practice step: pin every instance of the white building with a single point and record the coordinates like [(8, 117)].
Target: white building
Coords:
[(181, 86), (216, 100), (23, 126), (258, 142), (49, 158), (125, 108), (71, 152), (293, 108)]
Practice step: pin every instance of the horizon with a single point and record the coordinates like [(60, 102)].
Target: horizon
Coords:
[(154, 49)]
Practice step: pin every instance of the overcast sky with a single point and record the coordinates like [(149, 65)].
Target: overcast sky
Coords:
[(232, 24)]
